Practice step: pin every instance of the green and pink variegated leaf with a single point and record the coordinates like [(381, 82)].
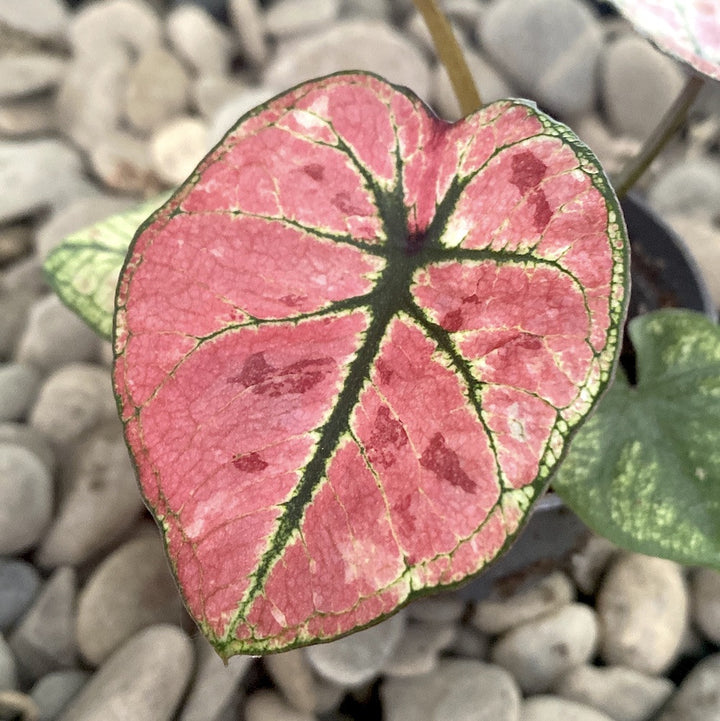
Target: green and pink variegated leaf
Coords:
[(351, 349), (687, 29)]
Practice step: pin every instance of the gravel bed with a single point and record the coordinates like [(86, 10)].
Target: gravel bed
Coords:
[(107, 102)]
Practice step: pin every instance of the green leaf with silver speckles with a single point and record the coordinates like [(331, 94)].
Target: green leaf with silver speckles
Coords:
[(83, 270), (644, 471)]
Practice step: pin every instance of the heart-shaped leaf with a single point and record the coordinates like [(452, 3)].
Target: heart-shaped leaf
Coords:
[(688, 30), (351, 349), (645, 469), (84, 269)]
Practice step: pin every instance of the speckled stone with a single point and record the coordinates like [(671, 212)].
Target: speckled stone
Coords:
[(28, 117), (131, 589), (459, 689), (41, 19), (706, 602), (551, 593), (539, 652), (199, 40), (73, 400), (177, 147), (419, 648), (15, 240), (442, 608), (698, 698), (267, 705), (359, 44), (550, 48), (19, 584), (36, 175), (19, 384), (55, 336), (639, 84), (296, 17), (211, 92), (121, 161), (488, 694), (44, 640), (357, 658), (621, 693), (248, 22), (214, 684), (552, 708), (143, 681), (157, 89), (701, 237), (127, 25), (293, 675), (689, 187), (29, 73), (14, 308), (89, 102), (8, 667), (26, 499), (100, 500), (54, 691), (642, 606), (21, 434)]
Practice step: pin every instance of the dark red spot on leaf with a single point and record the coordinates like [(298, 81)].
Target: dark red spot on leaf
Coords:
[(527, 170), (388, 436), (384, 371), (344, 204), (291, 300), (315, 171), (298, 377), (453, 320), (401, 509), (250, 463), (543, 211), (529, 343), (254, 371), (445, 464)]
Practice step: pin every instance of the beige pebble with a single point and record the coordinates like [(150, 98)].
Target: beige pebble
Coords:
[(177, 147), (157, 89)]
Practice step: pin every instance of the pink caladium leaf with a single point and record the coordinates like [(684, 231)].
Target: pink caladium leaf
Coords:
[(350, 351), (689, 30)]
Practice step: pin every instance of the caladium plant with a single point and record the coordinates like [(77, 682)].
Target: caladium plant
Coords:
[(352, 347)]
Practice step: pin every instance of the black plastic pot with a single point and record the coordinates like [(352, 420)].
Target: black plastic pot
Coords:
[(664, 275)]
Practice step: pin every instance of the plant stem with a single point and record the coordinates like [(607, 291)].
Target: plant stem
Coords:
[(451, 55), (659, 137)]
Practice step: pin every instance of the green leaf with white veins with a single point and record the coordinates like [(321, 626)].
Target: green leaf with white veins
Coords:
[(644, 471), (83, 270)]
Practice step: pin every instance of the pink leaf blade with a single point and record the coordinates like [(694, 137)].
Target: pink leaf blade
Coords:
[(335, 402)]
